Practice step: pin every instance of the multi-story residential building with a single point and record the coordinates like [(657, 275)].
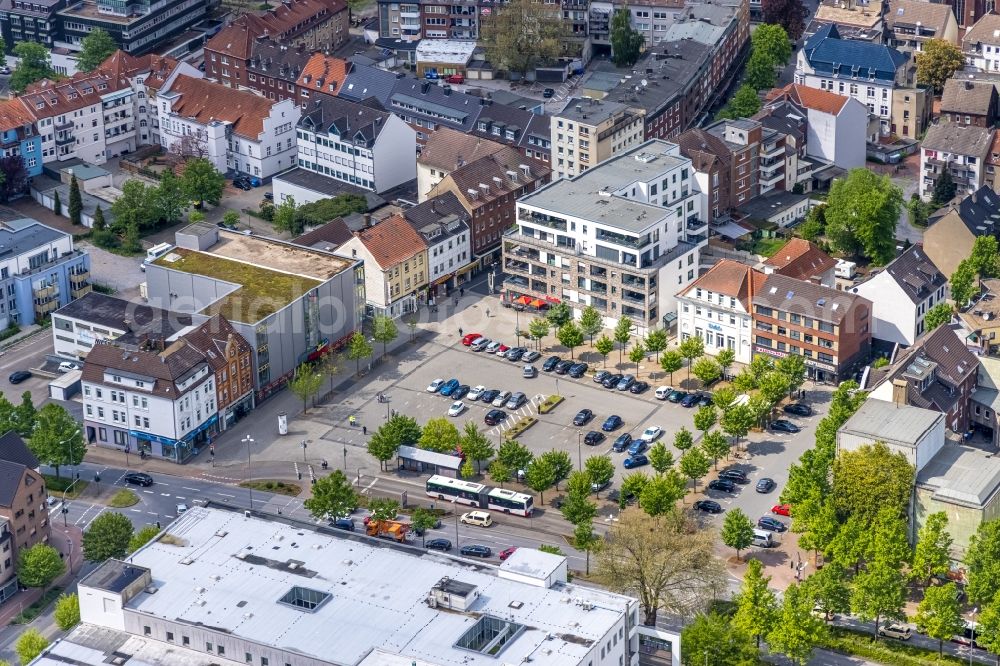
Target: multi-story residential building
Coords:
[(962, 149), (273, 69), (716, 308), (96, 317), (802, 260), (238, 131), (588, 131), (901, 294), (880, 77), (855, 22), (313, 24), (137, 27), (910, 23), (953, 230), (355, 143), (396, 266), (24, 512), (445, 151), (30, 21), (980, 328), (18, 135), (322, 76), (428, 107), (830, 329), (40, 271), (458, 19), (969, 103), (230, 357), (623, 237), (649, 17), (520, 128), (488, 189), (282, 303), (443, 223), (981, 43), (711, 164), (403, 20)]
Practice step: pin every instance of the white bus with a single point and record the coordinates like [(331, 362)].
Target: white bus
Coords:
[(464, 492), (509, 501)]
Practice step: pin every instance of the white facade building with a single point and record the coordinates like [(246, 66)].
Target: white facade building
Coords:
[(962, 149)]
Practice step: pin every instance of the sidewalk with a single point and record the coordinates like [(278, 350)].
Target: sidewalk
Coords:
[(67, 540)]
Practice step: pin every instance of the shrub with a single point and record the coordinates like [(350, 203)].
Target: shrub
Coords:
[(549, 404)]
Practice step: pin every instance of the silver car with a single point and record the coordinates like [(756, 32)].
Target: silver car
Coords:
[(501, 398), (516, 400)]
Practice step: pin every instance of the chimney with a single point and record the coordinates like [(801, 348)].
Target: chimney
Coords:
[(368, 219), (446, 90), (899, 391)]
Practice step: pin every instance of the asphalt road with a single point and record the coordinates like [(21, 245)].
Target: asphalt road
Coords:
[(26, 354)]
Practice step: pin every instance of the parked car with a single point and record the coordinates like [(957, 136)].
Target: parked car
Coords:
[(507, 552), (593, 438), (601, 375), (495, 416), (19, 376), (438, 544), (529, 372), (638, 387), (480, 345), (343, 524), (782, 509), (662, 392), (5, 70), (449, 387), (781, 425), (548, 93), (515, 354), (563, 366), (469, 338), (636, 447), (456, 408), (708, 506), (243, 184), (455, 78), (476, 392), (737, 475), (460, 392), (893, 630), (635, 461), (516, 400), (690, 400), (582, 417), (578, 370), (67, 366), (435, 385), (489, 396), (598, 487), (798, 408), (501, 350), (724, 485), (771, 524), (622, 442), (651, 434), (611, 381), (613, 422), (625, 383), (530, 356), (766, 485), (550, 363), (676, 395), (493, 346), (478, 518), (705, 399), (501, 398), (138, 479), (476, 550)]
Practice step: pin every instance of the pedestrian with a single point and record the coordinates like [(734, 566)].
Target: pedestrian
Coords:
[(364, 430), (487, 313), (461, 292), (353, 421), (460, 331)]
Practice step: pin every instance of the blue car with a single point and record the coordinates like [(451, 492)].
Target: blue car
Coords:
[(636, 461), (690, 400), (611, 423), (622, 442), (637, 447), (449, 387)]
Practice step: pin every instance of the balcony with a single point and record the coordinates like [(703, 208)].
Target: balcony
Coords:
[(542, 220), (79, 276), (771, 164), (597, 271), (771, 180), (78, 290), (772, 149), (632, 281), (68, 124), (622, 240), (514, 266), (42, 293), (633, 297), (598, 288), (695, 226), (42, 309), (65, 139)]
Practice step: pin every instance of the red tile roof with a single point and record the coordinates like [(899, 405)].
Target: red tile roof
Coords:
[(205, 101), (287, 20), (811, 98), (730, 278), (392, 241), (236, 39), (801, 260), (13, 115), (321, 71)]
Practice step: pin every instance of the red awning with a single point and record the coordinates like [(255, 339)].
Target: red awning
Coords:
[(552, 299), (524, 300), (537, 303)]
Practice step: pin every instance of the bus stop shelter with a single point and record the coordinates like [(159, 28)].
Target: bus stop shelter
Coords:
[(428, 462)]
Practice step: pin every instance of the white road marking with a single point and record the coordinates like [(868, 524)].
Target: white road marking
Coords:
[(191, 489), (225, 495)]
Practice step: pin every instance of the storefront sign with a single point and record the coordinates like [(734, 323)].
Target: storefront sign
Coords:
[(770, 352)]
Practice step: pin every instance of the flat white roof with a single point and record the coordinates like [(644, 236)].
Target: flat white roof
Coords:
[(230, 572), (450, 51)]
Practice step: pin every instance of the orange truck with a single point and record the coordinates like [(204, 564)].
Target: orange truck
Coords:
[(388, 529)]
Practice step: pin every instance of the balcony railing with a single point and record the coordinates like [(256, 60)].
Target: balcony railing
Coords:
[(42, 309), (44, 292), (771, 149), (63, 140), (624, 241), (80, 290), (542, 220)]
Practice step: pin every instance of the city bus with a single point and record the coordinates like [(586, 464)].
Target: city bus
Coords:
[(456, 490), (509, 501)]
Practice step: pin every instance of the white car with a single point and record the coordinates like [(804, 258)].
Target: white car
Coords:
[(456, 408), (66, 366), (476, 392), (493, 347), (651, 434), (181, 508), (435, 385), (662, 392)]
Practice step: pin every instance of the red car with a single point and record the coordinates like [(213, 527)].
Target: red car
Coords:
[(469, 338), (455, 78), (507, 552), (502, 349), (782, 509)]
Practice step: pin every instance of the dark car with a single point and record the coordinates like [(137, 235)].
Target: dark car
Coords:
[(495, 416), (613, 422), (550, 363), (622, 442), (489, 396), (562, 367), (420, 531), (578, 370), (243, 184), (611, 381), (636, 447), (708, 506), (737, 475), (593, 438), (344, 524), (705, 399), (19, 376), (515, 354), (530, 356), (439, 544), (138, 479), (601, 375), (771, 524), (476, 550), (766, 485), (798, 408), (635, 461), (639, 387), (548, 93), (449, 387), (690, 400), (461, 391), (677, 395), (582, 417), (269, 196), (781, 425), (725, 485)]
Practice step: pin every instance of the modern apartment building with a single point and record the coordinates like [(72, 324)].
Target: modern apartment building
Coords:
[(588, 131), (962, 149), (623, 237), (24, 512), (137, 27), (30, 21)]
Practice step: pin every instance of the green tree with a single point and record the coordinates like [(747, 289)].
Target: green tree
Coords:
[(870, 479), (939, 614), (383, 445), (440, 435), (714, 639), (230, 218), (715, 446), (887, 541), (99, 223), (756, 605), (759, 72), (604, 346), (523, 34), (551, 550), (326, 210), (736, 422), (773, 386), (745, 102), (661, 493), (828, 589), (796, 630), (623, 333), (467, 470), (917, 211), (540, 476), (384, 330), (578, 507), (170, 202), (515, 455), (814, 225), (305, 384), (879, 592), (34, 64), (724, 398), (75, 201), (422, 520), (134, 206), (570, 336), (690, 349), (737, 532), (695, 464), (725, 358), (636, 354), (107, 537), (850, 543), (586, 540), (56, 439), (383, 508), (626, 41), (789, 14), (982, 561), (660, 457), (793, 367), (499, 472), (671, 362), (937, 62), (707, 370), (333, 496), (559, 314), (142, 537), (932, 555), (476, 445), (632, 486), (771, 42), (56, 203), (944, 189), (600, 469), (656, 341), (963, 283), (359, 348), (985, 256), (988, 631), (67, 613), (30, 643), (861, 215), (39, 566), (560, 462), (538, 328), (26, 416), (591, 322), (705, 418), (285, 218), (201, 182), (819, 524), (196, 216), (130, 240), (97, 47), (683, 439)]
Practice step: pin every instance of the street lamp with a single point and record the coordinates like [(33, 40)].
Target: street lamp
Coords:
[(304, 447), (517, 331), (579, 450), (972, 641), (248, 440), (345, 461)]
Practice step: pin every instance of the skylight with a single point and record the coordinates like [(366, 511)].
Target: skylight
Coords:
[(304, 598), (490, 635)]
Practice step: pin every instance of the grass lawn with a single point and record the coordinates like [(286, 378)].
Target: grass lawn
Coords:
[(767, 246), (35, 609), (56, 487), (276, 487), (123, 498), (884, 651)]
